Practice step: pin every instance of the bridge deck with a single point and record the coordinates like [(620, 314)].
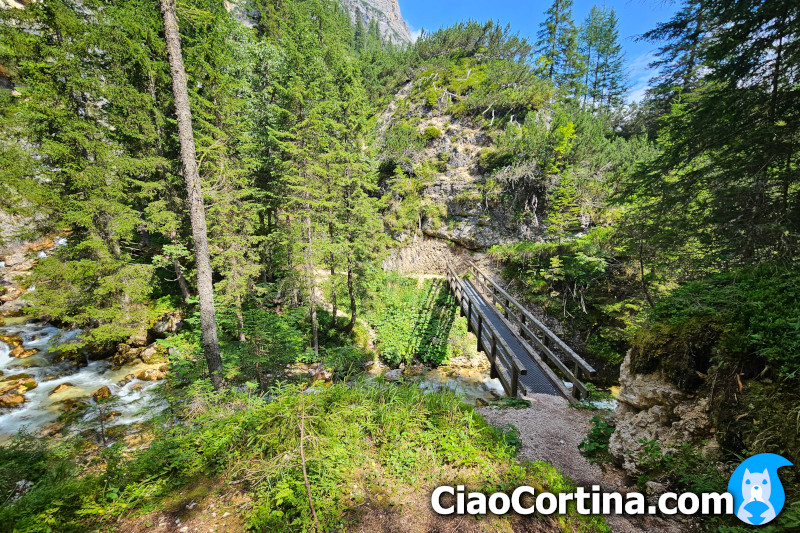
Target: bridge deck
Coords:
[(535, 380)]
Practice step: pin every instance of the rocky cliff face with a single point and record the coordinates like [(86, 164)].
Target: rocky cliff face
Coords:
[(386, 12), (650, 407), (472, 210)]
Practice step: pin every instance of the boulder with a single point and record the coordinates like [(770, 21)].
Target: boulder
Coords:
[(127, 379), (11, 400), (16, 376), (125, 355), (72, 404), (20, 353), (151, 374), (18, 386), (650, 408), (153, 354), (136, 387), (102, 393), (60, 388), (169, 323), (11, 340), (140, 338), (393, 375)]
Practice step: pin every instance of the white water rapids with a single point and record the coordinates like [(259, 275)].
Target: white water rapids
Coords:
[(42, 408)]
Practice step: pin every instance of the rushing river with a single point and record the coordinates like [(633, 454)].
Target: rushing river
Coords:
[(42, 407)]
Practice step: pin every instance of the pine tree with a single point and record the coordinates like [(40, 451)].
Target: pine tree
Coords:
[(564, 64), (679, 65), (205, 286), (605, 79)]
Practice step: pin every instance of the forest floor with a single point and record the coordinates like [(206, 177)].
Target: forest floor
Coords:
[(550, 431)]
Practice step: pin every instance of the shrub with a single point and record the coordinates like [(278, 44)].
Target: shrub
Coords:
[(431, 133)]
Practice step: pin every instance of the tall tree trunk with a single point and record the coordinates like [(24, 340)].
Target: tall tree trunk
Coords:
[(351, 292), (312, 287), (181, 280), (240, 318), (205, 286)]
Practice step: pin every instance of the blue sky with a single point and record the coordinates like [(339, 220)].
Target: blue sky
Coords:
[(635, 18)]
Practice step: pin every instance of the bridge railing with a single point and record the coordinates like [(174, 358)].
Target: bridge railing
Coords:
[(539, 337), (499, 353)]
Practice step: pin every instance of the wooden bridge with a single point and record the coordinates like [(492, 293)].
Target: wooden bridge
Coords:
[(525, 355)]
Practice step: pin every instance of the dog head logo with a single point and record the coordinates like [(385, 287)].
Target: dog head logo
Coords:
[(757, 491)]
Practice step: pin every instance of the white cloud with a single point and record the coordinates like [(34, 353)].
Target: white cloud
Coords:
[(414, 32), (639, 74)]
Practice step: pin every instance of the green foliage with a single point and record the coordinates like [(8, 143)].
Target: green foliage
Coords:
[(414, 320), (571, 279), (510, 435), (739, 315), (431, 134), (507, 402), (364, 443), (595, 445), (682, 465)]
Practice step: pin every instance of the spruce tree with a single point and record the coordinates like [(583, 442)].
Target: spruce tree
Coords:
[(205, 286), (605, 80), (557, 45)]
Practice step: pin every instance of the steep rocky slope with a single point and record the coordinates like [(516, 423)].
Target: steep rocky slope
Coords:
[(386, 12), (460, 201)]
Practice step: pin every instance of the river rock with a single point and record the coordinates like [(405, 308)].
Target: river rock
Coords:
[(169, 323), (11, 340), (102, 393), (153, 354), (140, 338), (127, 379), (11, 400), (151, 374), (72, 404), (393, 375), (136, 387), (22, 384), (125, 355), (20, 353), (61, 388)]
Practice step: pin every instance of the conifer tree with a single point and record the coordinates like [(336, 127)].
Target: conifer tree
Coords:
[(205, 286), (557, 44), (605, 79)]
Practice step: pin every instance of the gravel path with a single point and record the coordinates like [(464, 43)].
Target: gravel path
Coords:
[(550, 431)]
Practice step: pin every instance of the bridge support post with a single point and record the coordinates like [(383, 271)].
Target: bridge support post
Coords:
[(480, 330), (493, 359), (514, 382), (469, 314)]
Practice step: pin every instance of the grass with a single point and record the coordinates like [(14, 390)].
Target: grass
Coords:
[(370, 449)]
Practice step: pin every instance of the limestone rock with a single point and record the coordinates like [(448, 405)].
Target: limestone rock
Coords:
[(127, 379), (11, 400), (140, 338), (20, 353), (394, 375), (19, 384), (61, 388), (102, 393), (387, 14), (151, 374), (11, 340), (649, 407)]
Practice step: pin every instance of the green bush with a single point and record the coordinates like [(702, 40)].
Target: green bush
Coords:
[(431, 133), (366, 444), (595, 445), (414, 320)]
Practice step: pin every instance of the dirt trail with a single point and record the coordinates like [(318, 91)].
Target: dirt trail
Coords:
[(550, 431)]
